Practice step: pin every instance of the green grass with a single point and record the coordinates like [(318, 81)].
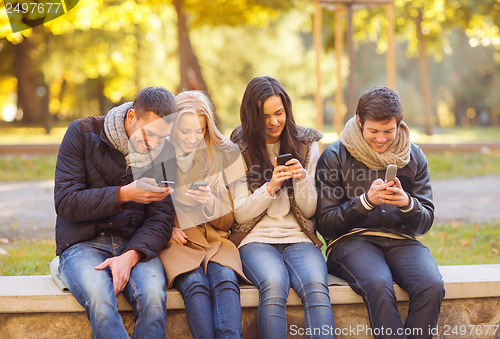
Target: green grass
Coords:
[(464, 243), (457, 135), (27, 257), (27, 167), (463, 165), (12, 135), (450, 243), (452, 135), (441, 166)]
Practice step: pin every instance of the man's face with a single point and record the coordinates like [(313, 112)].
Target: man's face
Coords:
[(379, 134), (147, 132)]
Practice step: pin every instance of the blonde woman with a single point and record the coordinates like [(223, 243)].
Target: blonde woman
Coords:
[(199, 260)]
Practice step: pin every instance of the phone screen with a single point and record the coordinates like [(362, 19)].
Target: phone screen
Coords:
[(390, 173), (283, 158)]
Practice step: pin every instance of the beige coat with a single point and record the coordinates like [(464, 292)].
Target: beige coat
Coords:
[(209, 240)]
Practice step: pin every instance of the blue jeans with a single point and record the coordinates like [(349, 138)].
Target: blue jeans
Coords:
[(370, 264), (273, 269), (212, 301), (93, 289)]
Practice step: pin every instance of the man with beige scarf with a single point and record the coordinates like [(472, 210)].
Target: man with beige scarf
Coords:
[(371, 225), (112, 219)]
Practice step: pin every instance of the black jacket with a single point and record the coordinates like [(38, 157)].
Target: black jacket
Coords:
[(89, 173), (341, 179)]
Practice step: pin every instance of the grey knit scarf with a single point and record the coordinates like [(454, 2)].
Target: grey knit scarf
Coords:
[(398, 152), (114, 127)]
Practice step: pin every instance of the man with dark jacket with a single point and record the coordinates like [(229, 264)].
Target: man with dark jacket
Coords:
[(112, 218), (371, 225)]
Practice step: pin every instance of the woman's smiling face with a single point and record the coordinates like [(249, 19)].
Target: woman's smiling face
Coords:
[(275, 115), (190, 132)]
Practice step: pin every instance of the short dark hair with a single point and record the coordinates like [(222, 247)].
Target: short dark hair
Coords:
[(155, 99), (380, 104)]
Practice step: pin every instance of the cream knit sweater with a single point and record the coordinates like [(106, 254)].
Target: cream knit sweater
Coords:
[(278, 226)]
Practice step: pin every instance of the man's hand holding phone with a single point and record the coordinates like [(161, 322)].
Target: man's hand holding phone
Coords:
[(388, 191), (143, 191), (397, 196), (166, 183)]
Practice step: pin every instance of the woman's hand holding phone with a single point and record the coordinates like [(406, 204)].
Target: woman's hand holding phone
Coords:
[(295, 167), (280, 174), (201, 192)]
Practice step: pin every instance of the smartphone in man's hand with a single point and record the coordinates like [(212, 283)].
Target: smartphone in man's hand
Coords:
[(390, 173), (166, 183)]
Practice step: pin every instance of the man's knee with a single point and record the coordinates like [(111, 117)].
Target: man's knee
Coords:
[(431, 287), (377, 285)]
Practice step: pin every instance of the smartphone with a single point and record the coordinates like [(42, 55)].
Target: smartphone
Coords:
[(390, 173), (283, 158), (166, 183), (197, 184)]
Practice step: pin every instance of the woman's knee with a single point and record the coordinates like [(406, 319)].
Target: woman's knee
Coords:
[(274, 286), (192, 282)]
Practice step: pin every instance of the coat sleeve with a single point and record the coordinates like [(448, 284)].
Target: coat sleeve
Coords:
[(156, 230), (418, 220), (74, 201), (335, 214)]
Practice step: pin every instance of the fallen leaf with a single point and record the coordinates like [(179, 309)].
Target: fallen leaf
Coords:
[(443, 235), (465, 242), (495, 251)]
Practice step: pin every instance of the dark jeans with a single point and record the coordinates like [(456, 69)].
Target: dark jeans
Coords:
[(212, 300), (370, 264)]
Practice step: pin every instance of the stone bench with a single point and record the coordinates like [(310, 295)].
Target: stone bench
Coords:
[(35, 307)]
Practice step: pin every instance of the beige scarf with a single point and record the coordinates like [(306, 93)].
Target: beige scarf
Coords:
[(114, 127), (398, 152)]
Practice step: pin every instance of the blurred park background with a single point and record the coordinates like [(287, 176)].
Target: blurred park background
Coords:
[(99, 54)]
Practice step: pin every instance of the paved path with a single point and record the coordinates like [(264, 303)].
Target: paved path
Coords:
[(27, 208), (474, 199)]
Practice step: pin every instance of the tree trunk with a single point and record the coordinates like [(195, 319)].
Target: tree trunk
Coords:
[(32, 92), (104, 103), (190, 70), (351, 100), (425, 84)]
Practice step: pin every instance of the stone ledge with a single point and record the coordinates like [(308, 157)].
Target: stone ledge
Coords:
[(35, 294)]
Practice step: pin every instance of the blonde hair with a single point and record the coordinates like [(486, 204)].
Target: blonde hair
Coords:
[(218, 146)]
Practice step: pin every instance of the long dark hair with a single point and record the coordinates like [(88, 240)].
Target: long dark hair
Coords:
[(253, 125)]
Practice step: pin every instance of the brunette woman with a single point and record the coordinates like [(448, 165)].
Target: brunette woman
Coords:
[(199, 260), (275, 235)]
